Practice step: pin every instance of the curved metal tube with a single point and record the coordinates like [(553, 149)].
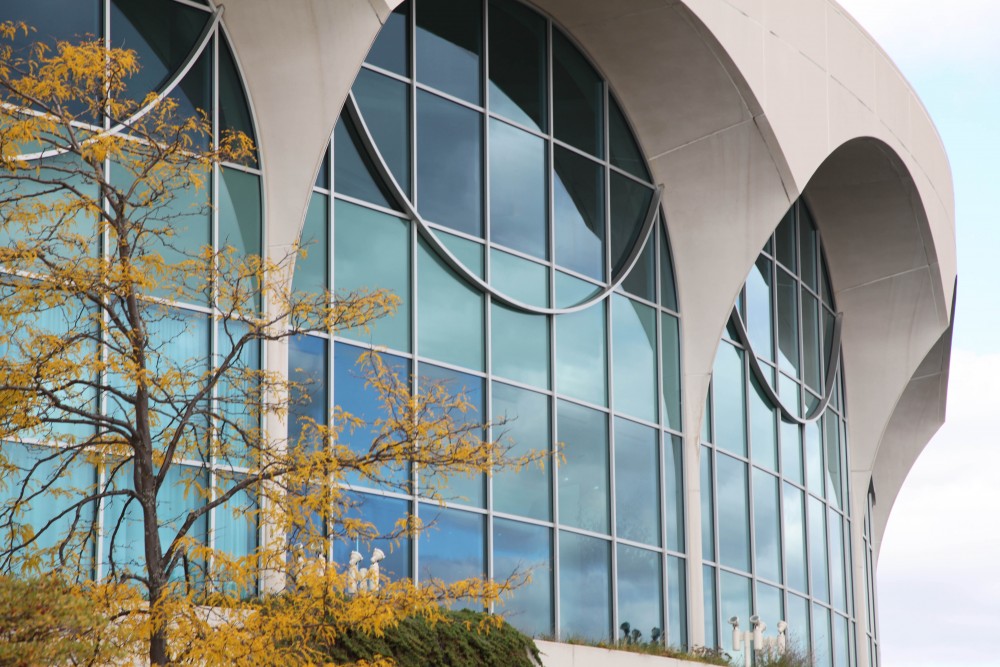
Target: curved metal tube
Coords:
[(831, 370), (354, 114), (173, 82)]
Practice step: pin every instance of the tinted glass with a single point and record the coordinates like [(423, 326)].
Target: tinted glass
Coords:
[(763, 429), (452, 544), (624, 151), (384, 103), (811, 350), (312, 268), (449, 164), (525, 492), (517, 64), (307, 375), (581, 355), (672, 447), (818, 573), (767, 527), (640, 580), (788, 323), (583, 474), (707, 506), (451, 314), (795, 537), (353, 173), (634, 338), (834, 487), (449, 46), (518, 203), (520, 548), (676, 602), (711, 611), (814, 458), (808, 252), (728, 385), (791, 451), (671, 371), (372, 251), (734, 517), (668, 293), (520, 346), (838, 574), (234, 110), (758, 305), (637, 483), (239, 211), (770, 607), (578, 98), (519, 278), (798, 621), (584, 586), (785, 240), (391, 49), (579, 212), (734, 600), (382, 513), (822, 651), (641, 280), (629, 205)]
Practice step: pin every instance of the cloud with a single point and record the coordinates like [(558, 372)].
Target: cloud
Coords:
[(939, 580), (918, 35)]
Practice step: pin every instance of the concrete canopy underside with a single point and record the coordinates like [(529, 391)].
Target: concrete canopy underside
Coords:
[(741, 106)]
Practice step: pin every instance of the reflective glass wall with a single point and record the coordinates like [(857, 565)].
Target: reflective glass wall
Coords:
[(776, 521), (871, 601), (167, 35), (488, 177)]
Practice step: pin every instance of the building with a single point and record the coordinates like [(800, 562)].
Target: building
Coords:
[(599, 214)]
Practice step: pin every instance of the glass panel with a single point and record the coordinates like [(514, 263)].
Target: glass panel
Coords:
[(581, 355), (640, 586), (838, 569), (759, 317), (814, 459), (637, 483), (382, 513), (520, 279), (828, 324), (764, 432), (584, 587), (579, 213), (234, 111), (525, 492), (734, 595), (449, 46), (451, 314), (834, 486), (372, 251), (355, 398), (795, 537), (312, 270), (770, 608), (519, 548), (788, 323), (711, 611), (53, 20), (673, 448), (469, 253), (706, 419), (767, 527), (625, 153), (520, 346), (459, 488), (840, 646), (518, 64), (391, 49), (734, 515), (240, 211), (790, 393), (162, 34), (811, 367), (791, 451), (798, 623), (449, 164), (577, 98), (43, 483), (634, 360), (583, 474), (451, 545), (641, 280), (676, 602), (707, 506), (235, 530), (323, 173), (729, 384), (808, 239), (571, 291), (785, 240), (384, 103), (670, 349), (183, 491), (238, 395), (668, 292), (307, 378), (629, 205), (354, 174), (518, 202), (822, 653), (819, 575)]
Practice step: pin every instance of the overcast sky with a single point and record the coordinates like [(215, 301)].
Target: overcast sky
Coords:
[(939, 570)]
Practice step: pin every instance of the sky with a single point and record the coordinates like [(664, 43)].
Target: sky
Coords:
[(939, 568)]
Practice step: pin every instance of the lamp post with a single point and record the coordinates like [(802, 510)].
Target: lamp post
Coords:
[(753, 640)]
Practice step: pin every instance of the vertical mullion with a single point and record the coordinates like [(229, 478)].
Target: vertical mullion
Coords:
[(488, 299), (414, 489), (213, 333)]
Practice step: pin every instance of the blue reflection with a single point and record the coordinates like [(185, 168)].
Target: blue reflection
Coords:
[(307, 376), (520, 548), (452, 544), (382, 513)]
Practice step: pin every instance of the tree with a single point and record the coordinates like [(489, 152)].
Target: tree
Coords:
[(116, 420)]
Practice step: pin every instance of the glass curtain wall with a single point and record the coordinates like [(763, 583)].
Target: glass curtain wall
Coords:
[(776, 520), (519, 162), (185, 335), (871, 602)]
